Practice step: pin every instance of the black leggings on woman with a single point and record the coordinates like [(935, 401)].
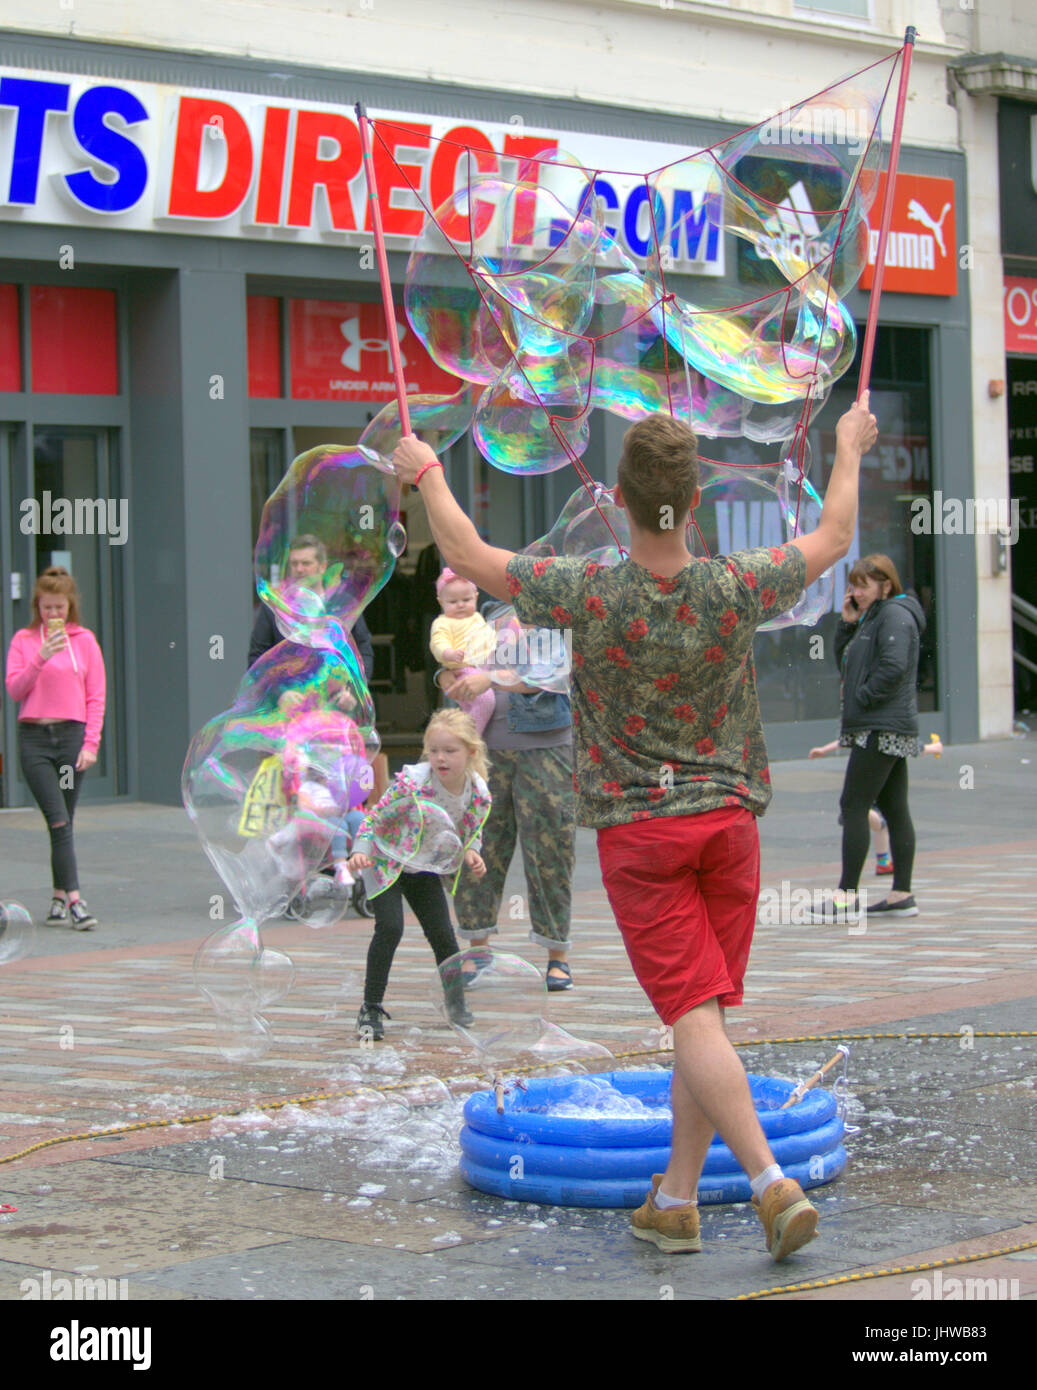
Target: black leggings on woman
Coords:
[(48, 754), (876, 779), (424, 894)]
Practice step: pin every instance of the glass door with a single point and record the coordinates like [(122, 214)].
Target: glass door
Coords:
[(82, 522)]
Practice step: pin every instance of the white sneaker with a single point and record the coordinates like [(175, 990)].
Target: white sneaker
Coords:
[(82, 918)]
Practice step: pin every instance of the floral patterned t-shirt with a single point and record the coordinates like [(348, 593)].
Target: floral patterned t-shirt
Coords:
[(666, 720)]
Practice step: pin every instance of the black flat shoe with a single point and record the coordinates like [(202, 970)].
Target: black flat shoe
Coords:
[(554, 984), (903, 907)]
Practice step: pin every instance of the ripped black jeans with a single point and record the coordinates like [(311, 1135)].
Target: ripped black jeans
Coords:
[(48, 754)]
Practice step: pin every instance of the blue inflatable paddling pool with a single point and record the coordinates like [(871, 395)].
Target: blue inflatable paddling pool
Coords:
[(598, 1158)]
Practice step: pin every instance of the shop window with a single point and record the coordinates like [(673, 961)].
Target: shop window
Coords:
[(10, 340), (73, 341), (264, 346), (266, 469), (340, 351)]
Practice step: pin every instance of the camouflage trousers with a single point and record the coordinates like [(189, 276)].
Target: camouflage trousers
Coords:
[(533, 800)]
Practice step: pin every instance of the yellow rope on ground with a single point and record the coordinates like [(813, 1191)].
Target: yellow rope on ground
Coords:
[(467, 1076), (883, 1273)]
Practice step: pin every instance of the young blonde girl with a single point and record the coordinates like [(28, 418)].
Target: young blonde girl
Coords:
[(452, 777)]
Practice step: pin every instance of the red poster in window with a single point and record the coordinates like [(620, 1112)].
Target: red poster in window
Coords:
[(340, 352), (921, 254), (264, 345), (72, 339), (10, 340), (1020, 315)]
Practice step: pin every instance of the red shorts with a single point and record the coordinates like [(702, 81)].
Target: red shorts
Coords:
[(684, 891)]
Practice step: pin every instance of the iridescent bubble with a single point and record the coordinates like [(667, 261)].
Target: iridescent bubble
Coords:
[(519, 287), (237, 975), (526, 655), (322, 901), (269, 783), (556, 1045), (741, 508), (242, 1037), (505, 995), (17, 932), (344, 504), (419, 835), (438, 420)]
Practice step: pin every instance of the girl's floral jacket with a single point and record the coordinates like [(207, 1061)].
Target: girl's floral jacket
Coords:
[(413, 784)]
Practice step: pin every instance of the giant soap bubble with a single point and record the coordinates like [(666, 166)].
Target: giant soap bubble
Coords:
[(17, 932), (269, 783), (526, 287), (506, 999)]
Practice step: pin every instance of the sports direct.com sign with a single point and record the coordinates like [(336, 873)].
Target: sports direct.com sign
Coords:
[(150, 157)]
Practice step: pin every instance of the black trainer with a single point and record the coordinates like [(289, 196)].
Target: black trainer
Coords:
[(58, 914), (369, 1021), (903, 907), (82, 918)]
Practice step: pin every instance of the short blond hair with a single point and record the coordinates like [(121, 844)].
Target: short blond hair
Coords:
[(462, 726)]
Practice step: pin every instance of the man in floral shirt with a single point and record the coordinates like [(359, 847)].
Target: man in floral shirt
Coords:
[(671, 767)]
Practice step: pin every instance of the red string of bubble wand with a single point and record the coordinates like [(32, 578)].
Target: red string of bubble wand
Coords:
[(383, 268), (887, 216)]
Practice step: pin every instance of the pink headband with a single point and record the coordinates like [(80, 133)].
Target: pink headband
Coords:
[(449, 577)]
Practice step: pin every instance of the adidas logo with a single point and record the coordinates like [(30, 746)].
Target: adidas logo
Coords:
[(793, 232)]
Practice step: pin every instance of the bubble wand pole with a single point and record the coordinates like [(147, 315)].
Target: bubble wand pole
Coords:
[(867, 352), (804, 1086), (383, 268)]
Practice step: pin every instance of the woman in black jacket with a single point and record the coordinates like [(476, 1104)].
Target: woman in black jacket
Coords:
[(877, 645)]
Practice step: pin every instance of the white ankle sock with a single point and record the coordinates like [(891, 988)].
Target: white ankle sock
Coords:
[(760, 1184), (662, 1201)]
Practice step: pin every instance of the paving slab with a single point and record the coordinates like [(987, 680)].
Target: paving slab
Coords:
[(105, 1029)]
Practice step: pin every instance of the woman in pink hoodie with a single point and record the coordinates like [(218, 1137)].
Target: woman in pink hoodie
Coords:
[(56, 670)]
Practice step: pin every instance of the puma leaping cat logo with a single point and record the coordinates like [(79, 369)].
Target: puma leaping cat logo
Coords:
[(917, 213)]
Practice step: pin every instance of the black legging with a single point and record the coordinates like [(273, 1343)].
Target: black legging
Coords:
[(424, 894), (48, 754), (876, 779)]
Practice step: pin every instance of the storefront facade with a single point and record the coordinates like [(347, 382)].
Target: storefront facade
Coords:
[(174, 333), (1017, 148)]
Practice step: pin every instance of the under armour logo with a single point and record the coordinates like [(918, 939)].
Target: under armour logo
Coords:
[(350, 330), (917, 213)]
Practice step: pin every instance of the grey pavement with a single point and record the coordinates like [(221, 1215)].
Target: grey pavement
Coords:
[(360, 1198)]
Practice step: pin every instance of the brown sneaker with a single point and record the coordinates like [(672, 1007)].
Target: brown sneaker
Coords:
[(789, 1220), (675, 1230)]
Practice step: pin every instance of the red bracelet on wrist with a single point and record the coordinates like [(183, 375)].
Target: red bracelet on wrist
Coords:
[(424, 469)]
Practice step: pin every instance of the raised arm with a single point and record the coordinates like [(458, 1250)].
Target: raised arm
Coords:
[(855, 434), (462, 548)]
